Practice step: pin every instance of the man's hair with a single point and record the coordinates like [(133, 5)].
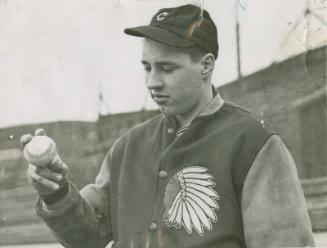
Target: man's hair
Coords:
[(196, 53)]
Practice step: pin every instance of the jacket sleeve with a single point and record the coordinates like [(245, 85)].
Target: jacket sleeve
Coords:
[(274, 210), (81, 219)]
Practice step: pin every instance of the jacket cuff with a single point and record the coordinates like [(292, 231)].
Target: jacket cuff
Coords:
[(57, 196), (64, 205)]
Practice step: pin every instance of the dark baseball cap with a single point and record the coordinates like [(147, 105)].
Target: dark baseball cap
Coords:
[(183, 26)]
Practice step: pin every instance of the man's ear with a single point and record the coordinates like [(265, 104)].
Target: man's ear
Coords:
[(207, 64)]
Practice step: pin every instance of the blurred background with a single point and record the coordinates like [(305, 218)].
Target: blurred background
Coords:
[(67, 66)]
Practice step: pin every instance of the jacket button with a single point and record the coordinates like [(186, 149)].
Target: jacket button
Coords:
[(163, 174), (171, 130), (153, 227)]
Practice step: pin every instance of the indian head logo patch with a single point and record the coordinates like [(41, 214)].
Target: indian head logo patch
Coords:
[(191, 201)]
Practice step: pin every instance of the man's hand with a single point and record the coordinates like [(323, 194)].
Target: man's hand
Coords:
[(47, 179)]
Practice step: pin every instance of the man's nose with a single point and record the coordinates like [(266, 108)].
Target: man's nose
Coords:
[(154, 81)]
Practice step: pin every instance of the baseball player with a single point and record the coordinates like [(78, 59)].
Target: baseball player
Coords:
[(203, 173)]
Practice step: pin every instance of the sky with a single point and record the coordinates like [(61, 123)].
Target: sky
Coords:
[(64, 60)]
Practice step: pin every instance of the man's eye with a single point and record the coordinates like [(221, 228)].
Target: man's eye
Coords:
[(147, 69), (168, 68)]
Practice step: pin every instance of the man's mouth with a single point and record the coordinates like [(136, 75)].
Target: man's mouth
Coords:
[(160, 98)]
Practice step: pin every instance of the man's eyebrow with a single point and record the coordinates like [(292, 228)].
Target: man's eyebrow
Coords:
[(164, 62), (168, 63)]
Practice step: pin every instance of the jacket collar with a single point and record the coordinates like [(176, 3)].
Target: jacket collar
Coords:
[(212, 107)]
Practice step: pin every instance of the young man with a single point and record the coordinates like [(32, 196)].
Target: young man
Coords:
[(203, 173)]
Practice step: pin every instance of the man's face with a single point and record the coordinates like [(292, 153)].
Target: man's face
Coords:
[(172, 78)]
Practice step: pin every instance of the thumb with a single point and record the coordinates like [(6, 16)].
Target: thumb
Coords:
[(40, 132)]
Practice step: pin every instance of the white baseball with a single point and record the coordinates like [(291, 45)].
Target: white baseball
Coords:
[(40, 151)]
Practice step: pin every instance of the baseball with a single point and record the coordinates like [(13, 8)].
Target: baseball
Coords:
[(40, 151)]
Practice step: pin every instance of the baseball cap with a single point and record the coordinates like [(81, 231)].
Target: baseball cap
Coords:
[(183, 26)]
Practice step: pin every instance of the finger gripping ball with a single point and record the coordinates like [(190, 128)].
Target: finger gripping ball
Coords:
[(40, 151)]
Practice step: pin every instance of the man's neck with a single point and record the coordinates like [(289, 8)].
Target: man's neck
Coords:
[(186, 119)]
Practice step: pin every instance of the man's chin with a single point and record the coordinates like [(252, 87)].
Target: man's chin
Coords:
[(167, 111)]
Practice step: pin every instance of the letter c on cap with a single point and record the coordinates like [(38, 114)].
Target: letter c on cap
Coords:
[(162, 16)]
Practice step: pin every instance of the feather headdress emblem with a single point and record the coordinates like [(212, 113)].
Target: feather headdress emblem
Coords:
[(191, 201)]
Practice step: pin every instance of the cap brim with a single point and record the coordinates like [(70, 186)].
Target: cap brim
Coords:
[(160, 35)]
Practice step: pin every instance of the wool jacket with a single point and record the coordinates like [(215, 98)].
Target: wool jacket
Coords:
[(227, 181)]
